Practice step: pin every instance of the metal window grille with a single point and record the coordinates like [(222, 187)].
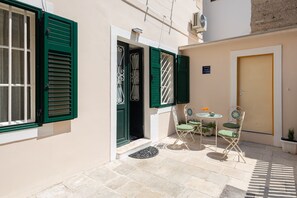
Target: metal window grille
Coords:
[(17, 66), (167, 78), (120, 75)]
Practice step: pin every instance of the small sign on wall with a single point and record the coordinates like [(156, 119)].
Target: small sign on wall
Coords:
[(206, 69)]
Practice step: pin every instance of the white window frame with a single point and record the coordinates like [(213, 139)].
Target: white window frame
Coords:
[(32, 85), (167, 78)]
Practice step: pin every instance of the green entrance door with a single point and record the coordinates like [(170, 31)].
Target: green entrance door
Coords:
[(122, 93)]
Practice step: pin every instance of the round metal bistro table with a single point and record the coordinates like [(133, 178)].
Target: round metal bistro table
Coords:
[(207, 116)]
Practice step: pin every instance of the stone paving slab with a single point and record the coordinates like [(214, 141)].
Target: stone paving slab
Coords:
[(196, 173)]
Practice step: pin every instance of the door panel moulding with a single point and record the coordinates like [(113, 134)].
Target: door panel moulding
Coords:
[(277, 80)]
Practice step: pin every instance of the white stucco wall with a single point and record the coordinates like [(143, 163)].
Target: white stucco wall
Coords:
[(226, 18), (65, 148)]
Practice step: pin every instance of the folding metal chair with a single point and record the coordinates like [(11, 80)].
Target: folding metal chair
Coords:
[(234, 116), (182, 130), (232, 137), (191, 120)]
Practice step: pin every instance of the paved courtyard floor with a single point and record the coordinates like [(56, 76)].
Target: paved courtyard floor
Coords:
[(195, 173)]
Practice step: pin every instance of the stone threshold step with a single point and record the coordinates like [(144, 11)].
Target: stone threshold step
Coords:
[(132, 147)]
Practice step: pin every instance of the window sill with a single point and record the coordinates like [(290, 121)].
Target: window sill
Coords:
[(16, 133), (165, 109), (18, 127), (14, 136)]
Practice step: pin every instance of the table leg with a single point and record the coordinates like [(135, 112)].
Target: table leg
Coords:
[(216, 135), (201, 131)]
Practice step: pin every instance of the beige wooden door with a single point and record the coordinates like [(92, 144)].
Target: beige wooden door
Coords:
[(255, 92)]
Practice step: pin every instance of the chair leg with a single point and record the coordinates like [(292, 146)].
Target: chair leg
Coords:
[(192, 136), (181, 135), (233, 144), (230, 144), (239, 151), (179, 138)]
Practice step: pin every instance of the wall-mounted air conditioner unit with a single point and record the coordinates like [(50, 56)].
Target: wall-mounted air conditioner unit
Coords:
[(199, 22)]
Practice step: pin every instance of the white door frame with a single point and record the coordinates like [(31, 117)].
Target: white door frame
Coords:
[(150, 115), (277, 62)]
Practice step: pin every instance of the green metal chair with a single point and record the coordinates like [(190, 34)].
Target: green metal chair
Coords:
[(182, 130), (191, 120), (234, 118), (232, 136)]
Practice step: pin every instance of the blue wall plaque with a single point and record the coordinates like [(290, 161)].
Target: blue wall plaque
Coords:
[(206, 69)]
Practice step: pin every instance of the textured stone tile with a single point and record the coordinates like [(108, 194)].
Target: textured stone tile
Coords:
[(204, 186), (145, 164), (78, 181), (191, 193), (139, 176), (147, 193), (219, 179), (163, 185), (245, 167), (57, 191), (102, 174), (103, 192), (281, 160), (117, 182), (236, 173), (178, 177), (205, 165), (196, 171), (188, 173), (124, 169), (230, 191), (272, 148), (113, 164), (253, 155), (216, 158), (130, 189), (82, 185), (238, 184), (250, 161), (174, 154)]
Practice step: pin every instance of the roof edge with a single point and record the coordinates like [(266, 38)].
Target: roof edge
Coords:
[(253, 35)]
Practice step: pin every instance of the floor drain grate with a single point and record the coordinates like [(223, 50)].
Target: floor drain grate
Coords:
[(145, 153)]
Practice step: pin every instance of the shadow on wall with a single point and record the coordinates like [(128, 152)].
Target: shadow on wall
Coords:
[(171, 125), (52, 129)]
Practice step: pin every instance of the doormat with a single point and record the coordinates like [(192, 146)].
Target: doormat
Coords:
[(145, 153)]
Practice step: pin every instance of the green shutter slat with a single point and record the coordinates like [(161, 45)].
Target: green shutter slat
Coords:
[(60, 72), (155, 76), (183, 79), (59, 30)]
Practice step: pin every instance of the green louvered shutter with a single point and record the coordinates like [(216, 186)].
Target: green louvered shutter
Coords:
[(183, 79), (155, 77), (60, 69)]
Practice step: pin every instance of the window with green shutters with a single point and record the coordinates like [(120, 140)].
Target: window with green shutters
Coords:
[(155, 73), (183, 80), (60, 68), (169, 78), (38, 75)]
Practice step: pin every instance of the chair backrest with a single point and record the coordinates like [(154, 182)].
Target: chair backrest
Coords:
[(241, 123), (189, 113), (174, 115), (235, 114)]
